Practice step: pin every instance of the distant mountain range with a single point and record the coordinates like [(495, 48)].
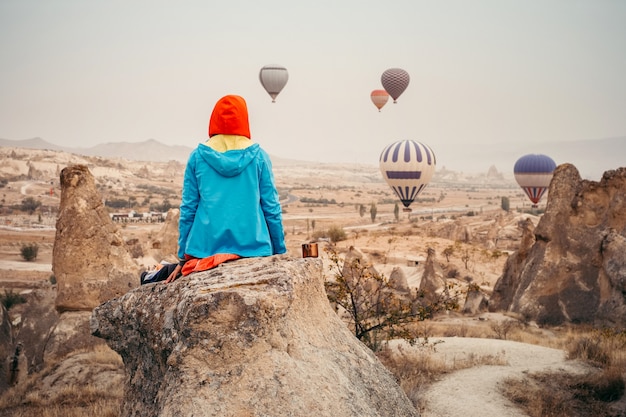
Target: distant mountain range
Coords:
[(149, 150), (591, 157)]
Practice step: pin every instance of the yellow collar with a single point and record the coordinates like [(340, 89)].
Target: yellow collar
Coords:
[(223, 143)]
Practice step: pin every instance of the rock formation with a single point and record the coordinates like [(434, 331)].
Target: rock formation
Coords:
[(476, 301), (433, 282), (253, 337), (90, 261), (398, 280), (6, 345), (574, 269), (91, 264)]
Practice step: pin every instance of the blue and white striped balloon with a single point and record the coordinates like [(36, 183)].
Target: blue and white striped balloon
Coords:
[(533, 172), (407, 166)]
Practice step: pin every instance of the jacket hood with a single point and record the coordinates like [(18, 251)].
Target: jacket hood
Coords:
[(230, 117), (230, 163)]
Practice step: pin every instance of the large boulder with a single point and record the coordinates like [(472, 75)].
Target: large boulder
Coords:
[(89, 260), (574, 269), (253, 337)]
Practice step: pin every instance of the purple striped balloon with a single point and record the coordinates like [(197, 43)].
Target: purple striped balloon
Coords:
[(407, 166)]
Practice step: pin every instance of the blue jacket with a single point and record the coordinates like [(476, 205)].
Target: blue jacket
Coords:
[(230, 204)]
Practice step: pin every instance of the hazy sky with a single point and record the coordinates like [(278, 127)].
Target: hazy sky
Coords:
[(79, 73)]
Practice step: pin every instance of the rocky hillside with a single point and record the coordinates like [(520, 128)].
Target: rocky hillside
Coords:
[(572, 266)]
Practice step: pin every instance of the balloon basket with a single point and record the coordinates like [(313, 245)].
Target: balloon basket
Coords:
[(407, 210)]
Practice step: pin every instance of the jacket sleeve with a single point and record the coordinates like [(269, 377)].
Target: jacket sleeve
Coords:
[(189, 204), (270, 205)]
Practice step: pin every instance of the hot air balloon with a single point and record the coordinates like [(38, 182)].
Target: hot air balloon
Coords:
[(395, 81), (533, 172), (407, 166), (273, 78), (379, 98)]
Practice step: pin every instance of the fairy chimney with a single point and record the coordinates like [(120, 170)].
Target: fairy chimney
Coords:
[(89, 259), (432, 283)]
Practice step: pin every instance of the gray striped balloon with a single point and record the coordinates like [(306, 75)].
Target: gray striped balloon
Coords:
[(273, 78)]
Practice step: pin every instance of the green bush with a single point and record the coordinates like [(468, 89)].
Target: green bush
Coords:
[(336, 234), (29, 251)]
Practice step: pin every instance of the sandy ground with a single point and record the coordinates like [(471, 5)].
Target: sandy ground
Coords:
[(475, 392)]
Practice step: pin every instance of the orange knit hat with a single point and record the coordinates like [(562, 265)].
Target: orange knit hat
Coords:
[(230, 117)]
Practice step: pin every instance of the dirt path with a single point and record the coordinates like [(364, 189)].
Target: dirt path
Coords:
[(476, 391)]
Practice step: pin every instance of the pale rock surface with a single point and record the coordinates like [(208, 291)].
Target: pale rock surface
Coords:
[(90, 261), (254, 337), (398, 280), (167, 239), (574, 269), (34, 320), (476, 301), (83, 369), (70, 333)]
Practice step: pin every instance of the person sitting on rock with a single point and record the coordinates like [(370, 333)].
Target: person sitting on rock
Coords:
[(230, 206)]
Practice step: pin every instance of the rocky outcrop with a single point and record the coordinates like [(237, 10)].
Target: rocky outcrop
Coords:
[(476, 301), (253, 337), (433, 282), (574, 269), (506, 287), (398, 280), (6, 347), (90, 261)]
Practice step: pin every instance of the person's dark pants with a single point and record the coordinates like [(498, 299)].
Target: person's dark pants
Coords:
[(148, 277)]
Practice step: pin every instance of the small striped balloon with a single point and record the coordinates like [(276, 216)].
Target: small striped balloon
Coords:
[(407, 166), (379, 98), (273, 78)]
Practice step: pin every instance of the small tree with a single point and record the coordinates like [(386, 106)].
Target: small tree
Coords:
[(396, 211), (361, 210), (29, 204), (466, 258), (371, 306), (29, 252), (447, 252), (336, 234), (505, 204), (373, 211)]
